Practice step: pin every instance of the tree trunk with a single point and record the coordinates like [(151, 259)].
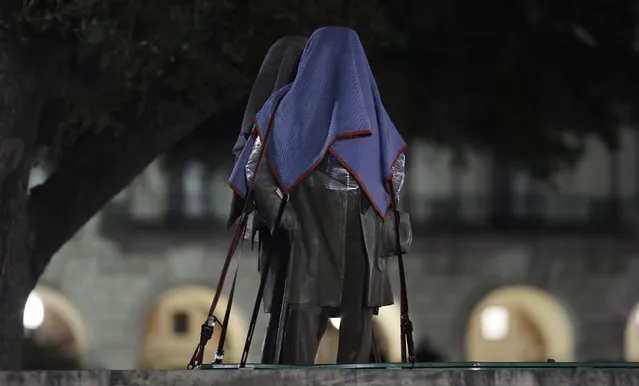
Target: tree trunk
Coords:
[(15, 279), (21, 100)]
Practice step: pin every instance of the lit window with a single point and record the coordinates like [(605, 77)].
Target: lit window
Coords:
[(33, 312), (193, 185), (220, 197), (494, 323)]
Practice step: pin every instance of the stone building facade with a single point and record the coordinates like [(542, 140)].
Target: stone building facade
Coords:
[(556, 267)]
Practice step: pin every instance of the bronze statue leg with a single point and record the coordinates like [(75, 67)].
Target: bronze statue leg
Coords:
[(355, 336), (274, 292), (305, 326), (355, 333)]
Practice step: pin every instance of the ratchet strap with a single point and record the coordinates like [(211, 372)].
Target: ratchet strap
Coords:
[(406, 326), (260, 290), (207, 328)]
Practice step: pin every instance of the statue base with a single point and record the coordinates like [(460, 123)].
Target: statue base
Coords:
[(422, 374)]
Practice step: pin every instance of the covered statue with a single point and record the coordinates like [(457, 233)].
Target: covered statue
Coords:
[(333, 162)]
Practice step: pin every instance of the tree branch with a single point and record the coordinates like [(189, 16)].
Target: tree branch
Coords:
[(96, 170)]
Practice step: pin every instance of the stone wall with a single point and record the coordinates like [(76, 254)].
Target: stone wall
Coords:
[(421, 377), (113, 285)]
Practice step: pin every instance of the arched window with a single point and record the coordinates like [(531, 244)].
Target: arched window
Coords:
[(50, 319), (631, 337), (172, 329), (519, 324)]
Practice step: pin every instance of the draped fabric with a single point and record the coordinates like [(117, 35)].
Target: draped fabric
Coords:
[(333, 105), (277, 70)]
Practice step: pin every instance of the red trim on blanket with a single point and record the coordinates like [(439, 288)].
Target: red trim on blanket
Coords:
[(353, 134)]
